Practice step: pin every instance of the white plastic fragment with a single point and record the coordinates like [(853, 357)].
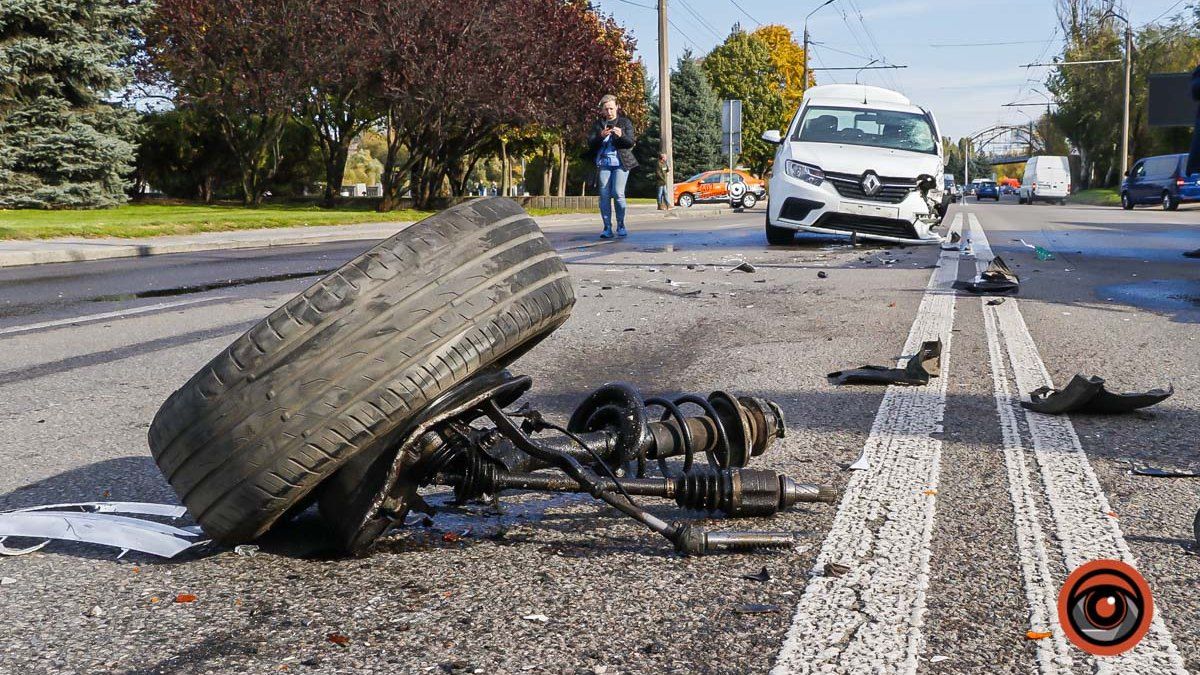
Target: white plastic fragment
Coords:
[(939, 658), (860, 464), (7, 581), (4, 550), (142, 508), (246, 550), (537, 617), (97, 528)]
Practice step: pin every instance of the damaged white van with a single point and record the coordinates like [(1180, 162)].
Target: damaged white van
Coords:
[(857, 160)]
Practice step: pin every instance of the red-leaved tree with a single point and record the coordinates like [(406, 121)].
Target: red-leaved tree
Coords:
[(236, 59), (452, 73)]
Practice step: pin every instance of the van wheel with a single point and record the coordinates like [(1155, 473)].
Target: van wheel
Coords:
[(1169, 203), (686, 200), (1126, 203), (340, 368), (779, 236)]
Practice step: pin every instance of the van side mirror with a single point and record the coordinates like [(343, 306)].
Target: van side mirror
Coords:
[(772, 136), (1126, 173)]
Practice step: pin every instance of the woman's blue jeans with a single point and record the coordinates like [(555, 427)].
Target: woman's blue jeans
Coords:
[(612, 186)]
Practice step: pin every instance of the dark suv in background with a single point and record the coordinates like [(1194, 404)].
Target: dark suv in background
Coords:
[(1160, 180), (987, 189)]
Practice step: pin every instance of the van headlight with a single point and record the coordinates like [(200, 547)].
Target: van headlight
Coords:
[(805, 172)]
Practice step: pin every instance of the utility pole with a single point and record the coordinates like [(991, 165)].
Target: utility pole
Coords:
[(664, 101), (1128, 75)]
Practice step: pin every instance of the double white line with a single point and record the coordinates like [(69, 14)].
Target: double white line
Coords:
[(871, 618), (1079, 509)]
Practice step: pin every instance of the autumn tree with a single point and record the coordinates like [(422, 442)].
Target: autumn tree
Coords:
[(788, 57), (741, 68), (61, 143), (333, 68), (237, 59), (453, 73)]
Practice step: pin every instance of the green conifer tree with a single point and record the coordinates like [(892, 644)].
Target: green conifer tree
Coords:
[(61, 144), (695, 120)]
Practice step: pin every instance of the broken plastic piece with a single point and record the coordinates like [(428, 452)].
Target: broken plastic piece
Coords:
[(925, 364), (996, 301), (997, 278), (121, 532), (763, 576), (744, 267), (1086, 393), (755, 608), (143, 508), (836, 569), (860, 464), (4, 550), (822, 274), (1154, 472), (953, 242)]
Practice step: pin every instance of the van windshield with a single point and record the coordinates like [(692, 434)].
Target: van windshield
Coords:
[(863, 126)]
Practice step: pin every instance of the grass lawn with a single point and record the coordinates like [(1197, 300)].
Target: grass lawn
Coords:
[(1096, 197), (150, 220)]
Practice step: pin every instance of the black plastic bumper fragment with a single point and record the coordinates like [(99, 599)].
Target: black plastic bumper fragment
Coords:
[(920, 368), (997, 278), (1086, 393)]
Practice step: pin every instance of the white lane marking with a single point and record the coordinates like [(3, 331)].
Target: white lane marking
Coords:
[(1053, 655), (1078, 506), (12, 330), (872, 617)]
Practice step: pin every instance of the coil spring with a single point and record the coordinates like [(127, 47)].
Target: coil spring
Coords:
[(671, 410)]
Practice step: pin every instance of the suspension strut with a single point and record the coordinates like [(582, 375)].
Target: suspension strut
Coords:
[(605, 450)]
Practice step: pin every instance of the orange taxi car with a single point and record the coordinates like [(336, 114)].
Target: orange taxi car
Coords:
[(719, 186)]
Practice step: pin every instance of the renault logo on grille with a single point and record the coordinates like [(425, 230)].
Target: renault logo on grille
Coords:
[(870, 184)]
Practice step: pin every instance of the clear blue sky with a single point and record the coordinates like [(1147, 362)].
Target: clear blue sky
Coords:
[(964, 86)]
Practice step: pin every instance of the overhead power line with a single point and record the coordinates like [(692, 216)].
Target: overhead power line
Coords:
[(987, 44), (743, 11)]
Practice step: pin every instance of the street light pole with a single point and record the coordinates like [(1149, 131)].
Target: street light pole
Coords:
[(664, 101), (804, 76)]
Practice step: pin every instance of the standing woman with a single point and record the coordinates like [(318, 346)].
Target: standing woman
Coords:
[(611, 142)]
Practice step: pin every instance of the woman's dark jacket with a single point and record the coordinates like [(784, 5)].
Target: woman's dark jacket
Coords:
[(623, 143), (1194, 156)]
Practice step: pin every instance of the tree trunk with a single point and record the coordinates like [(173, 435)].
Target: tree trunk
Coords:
[(335, 171), (562, 167), (547, 168), (505, 174)]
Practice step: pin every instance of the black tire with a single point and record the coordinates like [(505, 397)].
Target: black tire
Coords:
[(1169, 203), (1126, 202), (348, 361), (779, 236)]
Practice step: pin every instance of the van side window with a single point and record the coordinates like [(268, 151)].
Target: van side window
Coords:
[(1139, 171)]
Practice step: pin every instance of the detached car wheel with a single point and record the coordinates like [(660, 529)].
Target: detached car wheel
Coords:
[(340, 368)]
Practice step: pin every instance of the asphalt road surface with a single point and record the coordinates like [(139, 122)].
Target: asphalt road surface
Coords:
[(954, 541)]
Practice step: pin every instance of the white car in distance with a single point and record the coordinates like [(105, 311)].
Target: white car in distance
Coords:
[(857, 160)]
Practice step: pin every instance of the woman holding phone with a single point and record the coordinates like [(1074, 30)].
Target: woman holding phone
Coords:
[(611, 143)]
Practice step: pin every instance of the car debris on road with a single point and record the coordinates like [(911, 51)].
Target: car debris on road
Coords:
[(1087, 394), (97, 523), (926, 363), (996, 279)]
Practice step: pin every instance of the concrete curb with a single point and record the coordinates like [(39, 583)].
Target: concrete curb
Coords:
[(44, 251)]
